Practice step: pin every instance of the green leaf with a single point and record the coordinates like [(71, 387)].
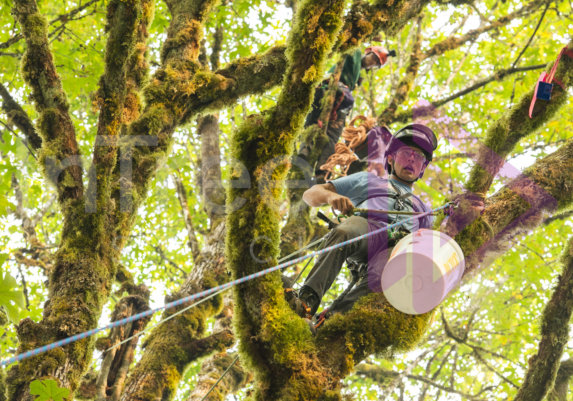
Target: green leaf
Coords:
[(48, 390), (10, 299), (4, 205)]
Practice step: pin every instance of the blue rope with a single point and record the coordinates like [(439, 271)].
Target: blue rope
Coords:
[(181, 301)]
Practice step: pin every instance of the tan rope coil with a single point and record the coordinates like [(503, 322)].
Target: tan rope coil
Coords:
[(344, 152)]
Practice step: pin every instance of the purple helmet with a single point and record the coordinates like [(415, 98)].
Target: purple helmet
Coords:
[(416, 135)]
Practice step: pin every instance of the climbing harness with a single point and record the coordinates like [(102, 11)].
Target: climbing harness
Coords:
[(208, 292), (544, 87)]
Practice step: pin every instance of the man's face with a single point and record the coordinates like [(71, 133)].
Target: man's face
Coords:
[(407, 162), (370, 61)]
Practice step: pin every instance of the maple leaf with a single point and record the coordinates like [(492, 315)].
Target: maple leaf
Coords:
[(48, 390)]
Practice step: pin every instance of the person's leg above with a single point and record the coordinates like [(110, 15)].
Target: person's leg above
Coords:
[(328, 265)]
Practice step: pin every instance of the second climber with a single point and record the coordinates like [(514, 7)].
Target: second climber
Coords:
[(374, 57)]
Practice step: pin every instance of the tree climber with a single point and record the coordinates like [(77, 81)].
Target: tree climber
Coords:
[(408, 154), (374, 57)]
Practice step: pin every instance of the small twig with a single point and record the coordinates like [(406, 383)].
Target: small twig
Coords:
[(24, 288), (531, 38), (17, 136)]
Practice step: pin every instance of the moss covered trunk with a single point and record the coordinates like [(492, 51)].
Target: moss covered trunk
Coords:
[(84, 267), (274, 342)]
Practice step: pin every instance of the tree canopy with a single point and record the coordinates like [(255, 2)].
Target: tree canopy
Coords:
[(144, 148)]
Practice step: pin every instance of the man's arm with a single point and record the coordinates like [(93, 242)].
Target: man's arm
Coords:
[(323, 194)]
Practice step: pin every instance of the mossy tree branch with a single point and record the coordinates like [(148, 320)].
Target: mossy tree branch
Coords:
[(561, 387), (84, 265), (544, 365), (523, 204), (274, 342), (164, 361), (365, 20), (18, 116), (405, 85), (169, 349), (514, 125), (299, 229), (54, 123), (213, 368), (116, 362)]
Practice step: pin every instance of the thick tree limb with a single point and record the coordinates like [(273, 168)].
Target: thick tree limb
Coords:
[(116, 362), (54, 124), (299, 228), (365, 20), (273, 340), (514, 125), (123, 21), (405, 85), (556, 316), (20, 118), (561, 387), (169, 348), (213, 193), (212, 369), (194, 350), (85, 264)]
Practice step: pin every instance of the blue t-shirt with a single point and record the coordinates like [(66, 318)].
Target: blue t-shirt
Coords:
[(368, 191)]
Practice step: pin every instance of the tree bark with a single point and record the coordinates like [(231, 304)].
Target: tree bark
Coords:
[(561, 387), (543, 366), (273, 340)]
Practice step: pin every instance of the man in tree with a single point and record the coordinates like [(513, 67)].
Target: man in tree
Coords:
[(374, 57), (408, 154)]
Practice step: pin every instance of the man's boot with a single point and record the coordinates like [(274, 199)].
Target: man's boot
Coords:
[(303, 304)]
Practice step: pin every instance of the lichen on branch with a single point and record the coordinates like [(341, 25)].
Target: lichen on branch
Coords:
[(54, 122), (274, 342)]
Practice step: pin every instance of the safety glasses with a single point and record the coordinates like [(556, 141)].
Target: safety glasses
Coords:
[(406, 153)]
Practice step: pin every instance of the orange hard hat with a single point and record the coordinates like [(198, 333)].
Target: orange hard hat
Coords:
[(382, 54)]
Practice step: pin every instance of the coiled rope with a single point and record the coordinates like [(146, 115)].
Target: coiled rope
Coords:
[(344, 152), (69, 340)]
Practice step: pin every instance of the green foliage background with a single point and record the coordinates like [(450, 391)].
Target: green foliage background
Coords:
[(507, 298)]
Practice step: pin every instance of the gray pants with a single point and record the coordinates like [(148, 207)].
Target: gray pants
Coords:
[(372, 250)]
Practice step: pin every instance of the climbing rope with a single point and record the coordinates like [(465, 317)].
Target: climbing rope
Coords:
[(237, 357), (344, 152), (211, 291)]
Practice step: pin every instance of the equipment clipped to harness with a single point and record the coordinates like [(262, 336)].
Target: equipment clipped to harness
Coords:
[(544, 87), (359, 271)]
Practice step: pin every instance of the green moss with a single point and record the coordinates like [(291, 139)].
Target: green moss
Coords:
[(502, 136), (273, 338)]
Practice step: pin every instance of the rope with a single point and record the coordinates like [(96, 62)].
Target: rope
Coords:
[(375, 211), (220, 378), (344, 152), (204, 293), (343, 156), (237, 358)]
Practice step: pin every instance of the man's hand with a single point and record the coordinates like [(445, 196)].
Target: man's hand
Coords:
[(340, 203), (470, 207)]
